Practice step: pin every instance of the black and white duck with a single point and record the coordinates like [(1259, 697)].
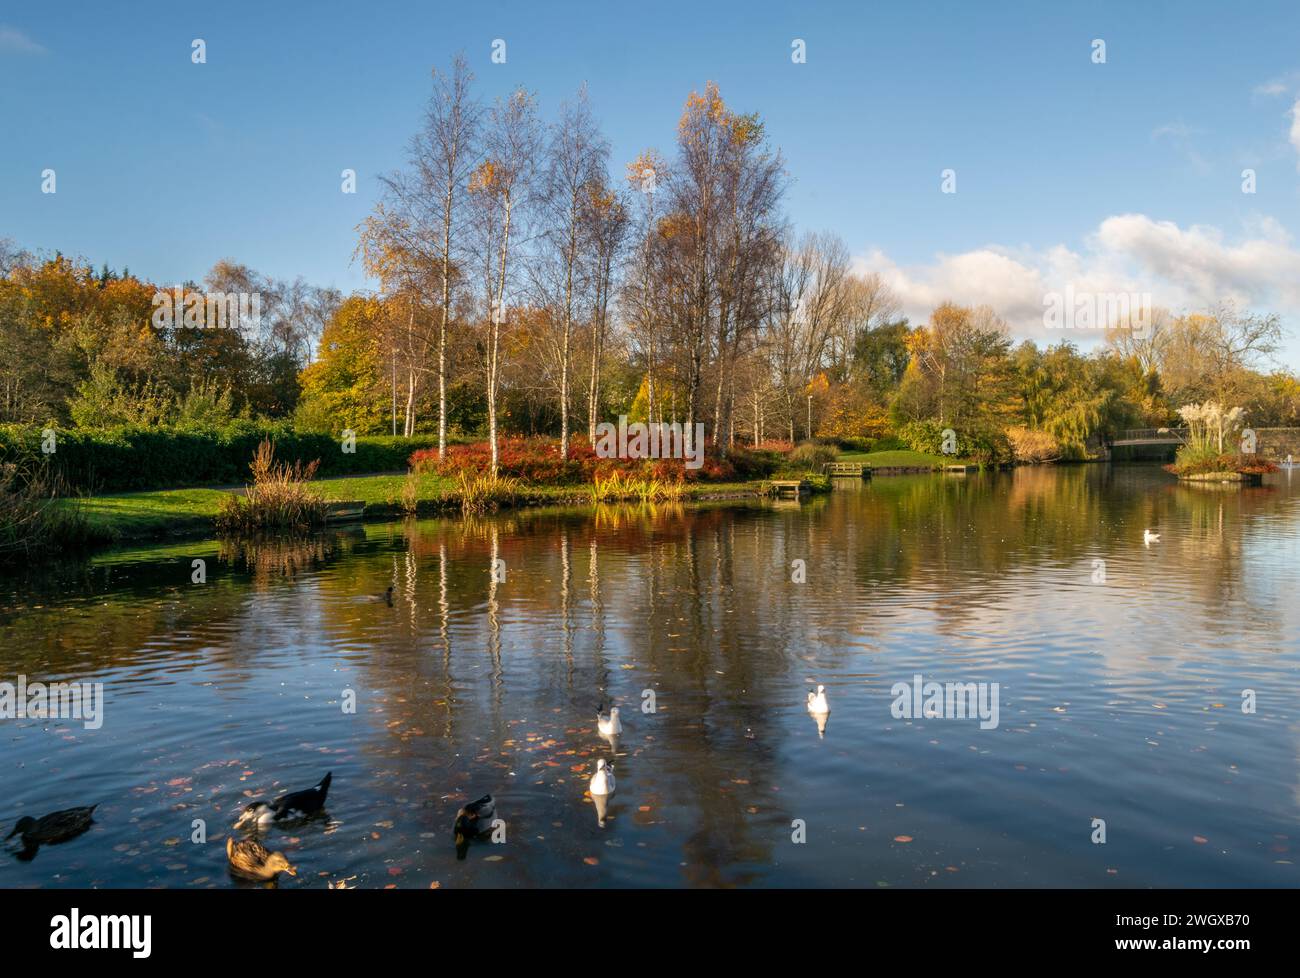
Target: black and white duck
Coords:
[(261, 815), (253, 861)]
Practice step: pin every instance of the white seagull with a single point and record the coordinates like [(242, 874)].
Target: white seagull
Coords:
[(602, 782), (819, 709), (1149, 538), (817, 701), (609, 726)]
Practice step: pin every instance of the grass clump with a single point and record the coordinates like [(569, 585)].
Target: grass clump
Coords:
[(34, 518), (280, 498), (484, 493), (617, 487)]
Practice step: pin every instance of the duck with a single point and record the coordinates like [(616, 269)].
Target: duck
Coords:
[(386, 597), (602, 782), (609, 725), (53, 828), (474, 819), (817, 702), (252, 860), (1149, 538), (309, 801)]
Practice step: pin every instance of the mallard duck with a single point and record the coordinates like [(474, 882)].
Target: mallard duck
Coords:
[(252, 860), (309, 801), (609, 724), (817, 702), (602, 782), (52, 829), (1149, 538), (474, 819)]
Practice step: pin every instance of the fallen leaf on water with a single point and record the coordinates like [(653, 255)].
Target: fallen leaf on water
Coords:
[(591, 860), (1200, 840), (902, 838)]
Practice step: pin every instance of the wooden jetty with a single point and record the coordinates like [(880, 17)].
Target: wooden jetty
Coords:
[(788, 487), (847, 470), (345, 512)]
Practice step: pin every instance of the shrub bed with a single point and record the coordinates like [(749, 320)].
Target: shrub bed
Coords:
[(537, 460)]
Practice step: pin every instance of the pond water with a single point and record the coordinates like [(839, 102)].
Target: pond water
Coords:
[(1120, 670)]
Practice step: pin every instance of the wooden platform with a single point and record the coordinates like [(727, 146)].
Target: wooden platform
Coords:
[(847, 470), (345, 512), (787, 487), (961, 469)]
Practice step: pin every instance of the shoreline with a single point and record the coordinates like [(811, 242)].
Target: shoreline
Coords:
[(166, 515)]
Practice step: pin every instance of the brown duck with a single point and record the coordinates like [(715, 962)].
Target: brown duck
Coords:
[(252, 860)]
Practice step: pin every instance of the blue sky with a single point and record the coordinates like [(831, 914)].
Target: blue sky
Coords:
[(1126, 173)]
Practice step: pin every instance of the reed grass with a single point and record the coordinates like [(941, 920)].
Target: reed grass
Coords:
[(484, 493), (618, 487), (35, 515), (280, 498)]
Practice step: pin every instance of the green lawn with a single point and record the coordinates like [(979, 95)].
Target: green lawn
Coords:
[(150, 514), (382, 490), (902, 458)]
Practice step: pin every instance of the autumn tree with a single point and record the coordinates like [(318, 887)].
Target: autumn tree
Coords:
[(501, 186), (428, 202)]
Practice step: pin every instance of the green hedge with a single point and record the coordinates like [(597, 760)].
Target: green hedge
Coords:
[(985, 446), (123, 459)]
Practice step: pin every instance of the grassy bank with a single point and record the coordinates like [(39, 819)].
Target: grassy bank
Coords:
[(901, 459), (159, 514), (191, 512)]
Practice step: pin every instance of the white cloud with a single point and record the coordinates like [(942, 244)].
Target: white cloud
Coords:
[(12, 39), (1295, 130), (1180, 268)]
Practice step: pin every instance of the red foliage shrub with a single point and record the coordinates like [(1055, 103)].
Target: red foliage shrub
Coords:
[(538, 460)]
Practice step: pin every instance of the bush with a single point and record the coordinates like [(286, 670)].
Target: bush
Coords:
[(1032, 447), (280, 498), (125, 458), (537, 460), (34, 520), (890, 443), (810, 456), (983, 446), (1192, 461)]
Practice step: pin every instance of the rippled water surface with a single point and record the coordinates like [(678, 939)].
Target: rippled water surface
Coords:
[(1119, 700)]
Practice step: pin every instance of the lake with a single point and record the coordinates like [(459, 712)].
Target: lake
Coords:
[(1121, 672)]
